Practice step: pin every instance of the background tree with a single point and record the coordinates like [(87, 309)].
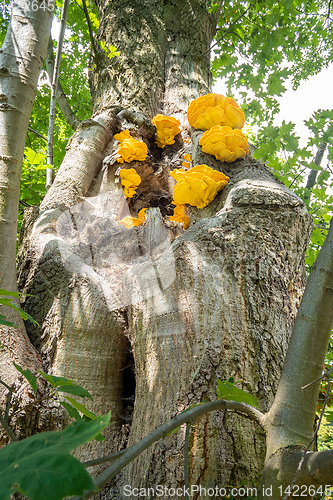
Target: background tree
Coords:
[(176, 309)]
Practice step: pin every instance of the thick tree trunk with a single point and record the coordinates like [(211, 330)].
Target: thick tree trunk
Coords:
[(186, 307)]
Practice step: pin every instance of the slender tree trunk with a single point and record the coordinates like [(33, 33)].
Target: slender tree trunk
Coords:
[(21, 58)]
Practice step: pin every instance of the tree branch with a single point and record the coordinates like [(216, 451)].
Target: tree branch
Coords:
[(63, 103), (37, 133), (290, 420), (163, 430), (298, 470), (313, 174), (8, 430), (91, 33), (49, 171)]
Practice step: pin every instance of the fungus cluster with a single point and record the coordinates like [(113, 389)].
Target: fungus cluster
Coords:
[(129, 148), (167, 127), (180, 216), (187, 162), (130, 179), (197, 186), (129, 221), (221, 119), (224, 143), (215, 109)]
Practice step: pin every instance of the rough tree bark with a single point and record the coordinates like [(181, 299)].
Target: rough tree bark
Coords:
[(21, 59), (179, 309)]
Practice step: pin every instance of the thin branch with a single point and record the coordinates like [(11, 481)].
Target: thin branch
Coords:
[(226, 32), (63, 103), (187, 444), (313, 174), (326, 374), (8, 430), (91, 33), (49, 171), (37, 133), (163, 430), (105, 459)]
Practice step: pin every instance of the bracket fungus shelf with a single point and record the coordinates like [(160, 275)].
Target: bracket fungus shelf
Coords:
[(197, 186), (130, 149), (167, 127), (215, 109), (130, 179), (224, 143)]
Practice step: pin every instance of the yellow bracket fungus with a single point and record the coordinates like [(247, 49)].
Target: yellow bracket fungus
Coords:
[(129, 148), (215, 109), (224, 143), (130, 179), (179, 215), (197, 186), (167, 128), (129, 221)]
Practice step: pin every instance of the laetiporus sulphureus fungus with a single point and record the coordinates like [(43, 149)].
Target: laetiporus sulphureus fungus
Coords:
[(187, 162), (224, 143), (167, 127), (130, 179), (180, 216), (215, 109), (197, 186), (129, 221), (129, 148)]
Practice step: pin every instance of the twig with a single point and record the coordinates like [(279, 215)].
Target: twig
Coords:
[(37, 133), (326, 374), (105, 459), (163, 430), (226, 32), (8, 430), (313, 174), (91, 33), (187, 443)]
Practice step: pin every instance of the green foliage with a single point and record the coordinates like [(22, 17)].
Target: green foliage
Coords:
[(260, 45), (6, 301), (228, 390), (28, 376), (63, 385), (110, 50), (33, 176), (325, 434), (43, 463)]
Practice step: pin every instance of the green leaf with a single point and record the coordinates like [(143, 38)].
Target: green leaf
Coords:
[(10, 294), (4, 322), (228, 391), (76, 390), (5, 301), (41, 466), (28, 375), (71, 410), (81, 408), (313, 166), (66, 385)]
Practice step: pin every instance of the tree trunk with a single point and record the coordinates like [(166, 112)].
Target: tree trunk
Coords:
[(179, 309), (21, 59)]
